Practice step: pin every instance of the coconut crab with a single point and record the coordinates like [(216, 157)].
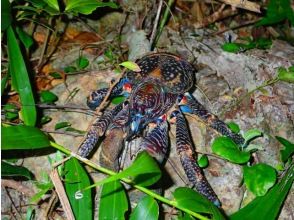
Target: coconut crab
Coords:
[(156, 96)]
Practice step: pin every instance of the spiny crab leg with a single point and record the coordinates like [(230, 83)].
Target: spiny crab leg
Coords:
[(187, 154), (114, 141), (189, 104), (97, 129), (156, 141), (96, 97)]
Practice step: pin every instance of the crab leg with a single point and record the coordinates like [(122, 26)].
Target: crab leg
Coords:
[(96, 97), (114, 141), (191, 105), (156, 142), (187, 157), (96, 130)]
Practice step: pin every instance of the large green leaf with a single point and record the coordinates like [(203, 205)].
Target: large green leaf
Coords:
[(226, 148), (192, 200), (259, 178), (12, 170), (267, 207), (147, 208), (144, 172), (277, 11), (86, 6), (76, 178), (23, 137), (113, 201), (288, 151), (52, 4), (6, 17), (20, 79)]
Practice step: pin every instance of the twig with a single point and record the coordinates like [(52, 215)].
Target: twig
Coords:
[(128, 181), (156, 22), (62, 132), (48, 31), (13, 205), (216, 16), (265, 84), (52, 202), (18, 187), (244, 4), (242, 24), (162, 22), (61, 194)]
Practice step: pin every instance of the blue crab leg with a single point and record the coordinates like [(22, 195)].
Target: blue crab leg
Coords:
[(97, 129), (96, 97), (156, 142), (114, 141), (187, 154), (191, 105)]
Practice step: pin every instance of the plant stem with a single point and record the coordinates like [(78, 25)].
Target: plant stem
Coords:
[(163, 22), (128, 181), (265, 84)]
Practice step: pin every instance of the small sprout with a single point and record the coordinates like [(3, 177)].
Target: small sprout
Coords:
[(79, 195), (131, 66), (82, 62), (70, 69), (63, 124), (252, 134), (286, 75)]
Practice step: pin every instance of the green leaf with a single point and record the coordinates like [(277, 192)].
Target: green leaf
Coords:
[(117, 100), (49, 6), (70, 69), (232, 47), (26, 39), (23, 137), (286, 75), (203, 161), (263, 43), (48, 97), (86, 7), (147, 208), (20, 79), (76, 178), (82, 62), (45, 119), (226, 148), (42, 192), (144, 172), (234, 127), (268, 207), (288, 151), (56, 75), (6, 17), (74, 130), (63, 124), (192, 200), (131, 66), (277, 11), (252, 134), (113, 201), (10, 111), (259, 178), (12, 170), (52, 4)]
